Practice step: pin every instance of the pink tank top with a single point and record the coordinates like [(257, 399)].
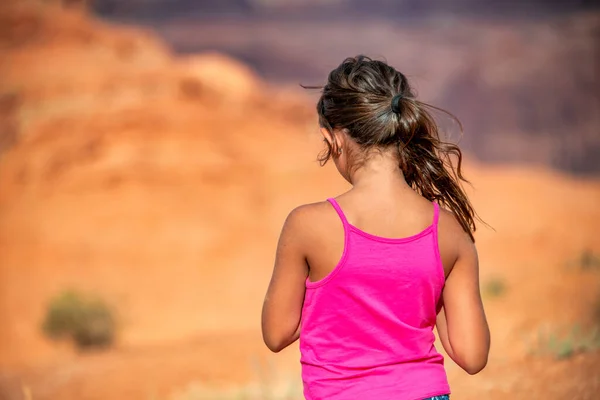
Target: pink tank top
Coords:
[(367, 328)]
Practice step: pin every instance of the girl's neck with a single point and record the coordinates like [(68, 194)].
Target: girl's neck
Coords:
[(380, 172)]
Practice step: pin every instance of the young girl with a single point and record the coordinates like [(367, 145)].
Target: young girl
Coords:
[(363, 279)]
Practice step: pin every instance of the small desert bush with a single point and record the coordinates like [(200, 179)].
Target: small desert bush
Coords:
[(565, 345), (586, 260), (87, 321), (493, 288)]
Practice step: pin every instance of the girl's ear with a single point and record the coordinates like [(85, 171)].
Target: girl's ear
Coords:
[(340, 138), (335, 139)]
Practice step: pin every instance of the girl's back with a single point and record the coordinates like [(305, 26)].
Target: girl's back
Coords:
[(372, 314)]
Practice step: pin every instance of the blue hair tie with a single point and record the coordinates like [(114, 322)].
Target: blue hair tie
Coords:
[(396, 103)]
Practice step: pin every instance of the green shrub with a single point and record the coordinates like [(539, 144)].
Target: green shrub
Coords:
[(588, 260), (87, 321), (494, 288), (574, 341)]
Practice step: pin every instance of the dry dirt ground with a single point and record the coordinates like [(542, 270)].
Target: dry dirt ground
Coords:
[(161, 183)]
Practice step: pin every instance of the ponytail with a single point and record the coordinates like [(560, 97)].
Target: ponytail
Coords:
[(427, 161)]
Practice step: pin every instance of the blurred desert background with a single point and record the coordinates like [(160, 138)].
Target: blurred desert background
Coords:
[(150, 151)]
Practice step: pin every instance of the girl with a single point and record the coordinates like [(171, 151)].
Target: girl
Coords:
[(363, 279)]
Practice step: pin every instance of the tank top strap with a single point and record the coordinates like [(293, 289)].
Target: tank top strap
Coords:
[(339, 211), (436, 214)]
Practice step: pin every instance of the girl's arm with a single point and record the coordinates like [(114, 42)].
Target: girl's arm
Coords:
[(442, 329), (462, 325), (282, 307)]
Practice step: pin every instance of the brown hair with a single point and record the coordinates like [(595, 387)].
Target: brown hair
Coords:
[(376, 107)]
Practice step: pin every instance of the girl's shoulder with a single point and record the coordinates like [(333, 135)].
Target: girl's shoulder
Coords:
[(311, 213), (449, 226), (453, 241), (313, 221)]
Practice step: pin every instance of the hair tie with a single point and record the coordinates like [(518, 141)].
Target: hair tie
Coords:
[(396, 103)]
